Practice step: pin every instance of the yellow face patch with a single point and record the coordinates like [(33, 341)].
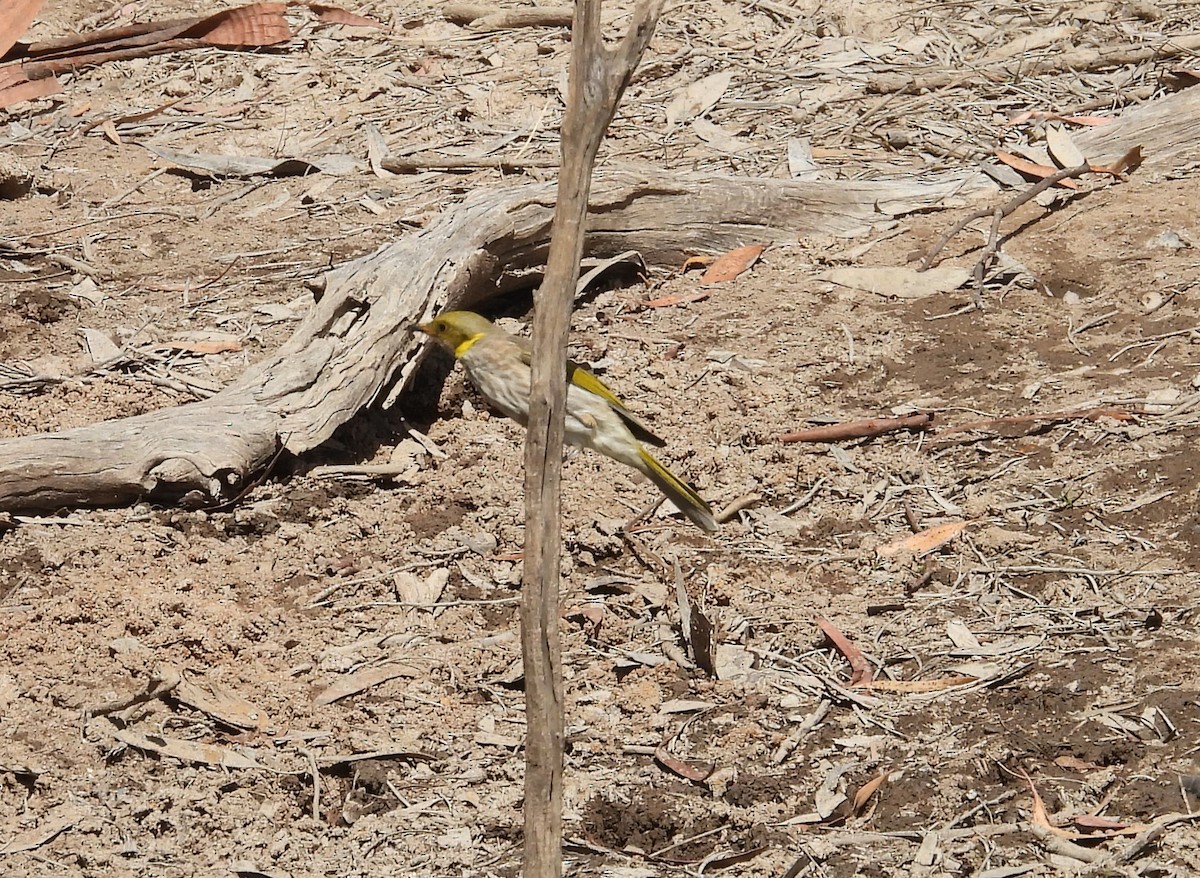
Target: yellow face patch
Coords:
[(466, 344)]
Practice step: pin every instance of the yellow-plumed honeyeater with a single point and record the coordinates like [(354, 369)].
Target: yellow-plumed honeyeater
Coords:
[(498, 364)]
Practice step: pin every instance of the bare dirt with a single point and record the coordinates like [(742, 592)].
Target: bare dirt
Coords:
[(1071, 595)]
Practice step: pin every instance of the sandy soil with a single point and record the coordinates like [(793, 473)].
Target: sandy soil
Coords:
[(1070, 595)]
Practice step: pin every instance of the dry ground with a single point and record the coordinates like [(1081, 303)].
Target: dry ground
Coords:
[(1072, 592)]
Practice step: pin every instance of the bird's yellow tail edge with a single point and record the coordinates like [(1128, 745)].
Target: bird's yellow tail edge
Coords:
[(680, 493)]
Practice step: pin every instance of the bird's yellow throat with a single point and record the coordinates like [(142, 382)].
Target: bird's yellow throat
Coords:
[(466, 345)]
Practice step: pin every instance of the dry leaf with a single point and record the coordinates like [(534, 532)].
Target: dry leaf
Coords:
[(1062, 148), (801, 164), (377, 151), (695, 773), (725, 859), (718, 138), (17, 17), (101, 347), (1055, 117), (729, 265), (221, 704), (249, 165), (866, 791), (897, 281), (26, 90), (1107, 826), (336, 15), (733, 662), (363, 679), (924, 542), (1075, 764), (1038, 39), (696, 262), (697, 98), (110, 132), (1039, 817), (1033, 169), (1128, 162), (61, 819), (412, 589), (257, 24), (677, 299), (201, 347), (864, 428), (185, 751), (860, 668), (629, 259)]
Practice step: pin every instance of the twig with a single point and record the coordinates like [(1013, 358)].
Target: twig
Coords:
[(986, 257), (1003, 211), (412, 164), (162, 680), (1076, 61), (1073, 333), (598, 77), (1056, 844), (316, 779), (1046, 419), (1143, 840), (860, 429), (479, 17), (117, 199), (733, 508), (1152, 340)]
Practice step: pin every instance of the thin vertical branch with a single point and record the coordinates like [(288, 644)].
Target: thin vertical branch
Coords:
[(598, 78)]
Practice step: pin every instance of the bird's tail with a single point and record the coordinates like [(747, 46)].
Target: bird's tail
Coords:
[(679, 492)]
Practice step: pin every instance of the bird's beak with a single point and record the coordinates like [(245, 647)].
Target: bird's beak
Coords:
[(421, 327)]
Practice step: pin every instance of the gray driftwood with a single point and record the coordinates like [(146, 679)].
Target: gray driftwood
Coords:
[(354, 349)]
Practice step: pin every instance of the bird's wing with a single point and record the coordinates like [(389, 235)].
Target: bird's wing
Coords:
[(585, 379)]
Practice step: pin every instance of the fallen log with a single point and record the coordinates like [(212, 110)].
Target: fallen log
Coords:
[(354, 350)]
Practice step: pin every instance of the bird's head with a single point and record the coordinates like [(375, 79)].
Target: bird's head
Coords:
[(454, 328)]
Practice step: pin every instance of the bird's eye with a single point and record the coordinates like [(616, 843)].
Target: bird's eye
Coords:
[(440, 326)]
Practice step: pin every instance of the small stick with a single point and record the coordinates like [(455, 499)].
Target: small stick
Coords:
[(117, 199), (412, 164), (743, 502), (1091, 414), (1004, 210), (163, 680), (316, 779), (1144, 839), (860, 429), (480, 17), (985, 259), (910, 516)]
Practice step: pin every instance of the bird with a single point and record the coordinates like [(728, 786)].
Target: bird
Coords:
[(498, 364)]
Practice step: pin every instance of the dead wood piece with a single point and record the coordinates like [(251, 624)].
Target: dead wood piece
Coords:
[(861, 429), (412, 163), (166, 455), (997, 214), (1078, 60), (598, 78), (1030, 423), (481, 17)]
